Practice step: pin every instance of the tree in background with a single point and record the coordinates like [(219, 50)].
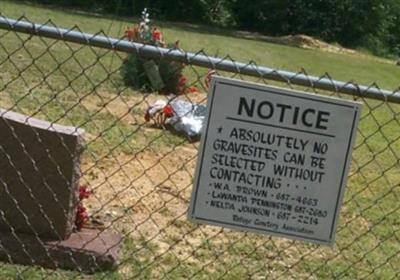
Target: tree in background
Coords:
[(372, 24)]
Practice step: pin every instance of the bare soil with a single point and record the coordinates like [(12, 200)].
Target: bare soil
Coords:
[(300, 41)]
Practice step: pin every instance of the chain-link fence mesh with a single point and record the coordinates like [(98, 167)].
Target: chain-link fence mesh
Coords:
[(141, 172)]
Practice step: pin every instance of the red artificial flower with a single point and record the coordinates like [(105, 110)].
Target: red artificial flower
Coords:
[(192, 89), (131, 33), (157, 35), (84, 192), (147, 116), (182, 81), (168, 111), (82, 216)]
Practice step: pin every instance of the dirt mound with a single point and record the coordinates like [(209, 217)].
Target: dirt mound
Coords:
[(300, 41)]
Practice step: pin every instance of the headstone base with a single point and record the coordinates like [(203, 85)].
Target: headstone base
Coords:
[(87, 251)]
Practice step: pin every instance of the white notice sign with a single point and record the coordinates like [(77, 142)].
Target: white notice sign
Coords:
[(273, 161)]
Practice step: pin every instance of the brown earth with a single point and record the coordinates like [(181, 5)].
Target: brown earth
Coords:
[(300, 41)]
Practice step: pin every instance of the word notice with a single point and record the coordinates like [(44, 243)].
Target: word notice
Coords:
[(273, 161)]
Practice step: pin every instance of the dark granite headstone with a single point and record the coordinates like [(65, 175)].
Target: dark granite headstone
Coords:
[(39, 173), (39, 177)]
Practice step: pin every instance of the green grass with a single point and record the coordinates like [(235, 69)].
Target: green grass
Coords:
[(363, 69), (81, 86)]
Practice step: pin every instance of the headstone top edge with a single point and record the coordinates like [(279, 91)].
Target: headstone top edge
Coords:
[(40, 124)]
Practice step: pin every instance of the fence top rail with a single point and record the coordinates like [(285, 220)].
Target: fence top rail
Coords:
[(200, 59)]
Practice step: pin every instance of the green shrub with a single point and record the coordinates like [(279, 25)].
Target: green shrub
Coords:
[(134, 74), (171, 73)]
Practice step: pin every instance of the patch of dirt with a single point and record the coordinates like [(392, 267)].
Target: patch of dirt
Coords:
[(143, 194), (131, 108), (300, 41), (146, 196)]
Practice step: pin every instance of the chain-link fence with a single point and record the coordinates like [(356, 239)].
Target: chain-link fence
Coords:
[(140, 172)]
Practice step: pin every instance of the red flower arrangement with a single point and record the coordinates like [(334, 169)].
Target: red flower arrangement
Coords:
[(160, 112), (170, 73), (131, 33), (157, 35), (144, 33), (82, 217), (183, 88)]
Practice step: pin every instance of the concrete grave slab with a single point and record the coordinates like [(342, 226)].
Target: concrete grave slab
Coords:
[(88, 251)]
